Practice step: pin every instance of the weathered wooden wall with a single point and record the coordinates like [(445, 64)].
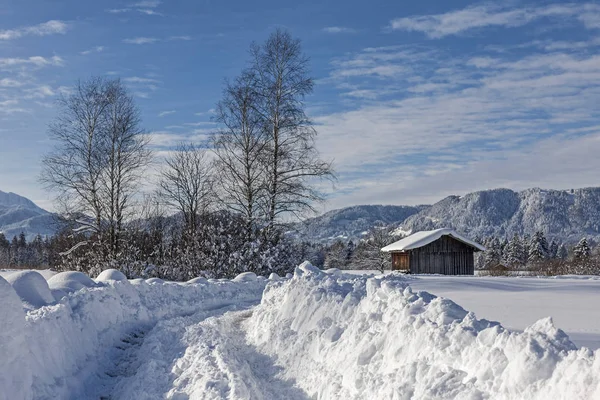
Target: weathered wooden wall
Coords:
[(446, 256)]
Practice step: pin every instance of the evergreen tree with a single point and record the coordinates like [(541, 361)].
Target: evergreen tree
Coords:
[(553, 249), (538, 248), (562, 253), (514, 255), (4, 251), (582, 250), (493, 254)]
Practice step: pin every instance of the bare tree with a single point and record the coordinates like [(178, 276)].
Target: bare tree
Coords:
[(186, 184), (74, 168), (126, 151), (97, 158), (291, 160), (239, 147)]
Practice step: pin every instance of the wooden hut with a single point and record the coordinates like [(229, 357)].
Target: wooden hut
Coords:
[(441, 251)]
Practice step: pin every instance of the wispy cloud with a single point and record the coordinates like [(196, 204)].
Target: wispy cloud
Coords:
[(37, 61), (183, 37), (11, 107), (167, 139), (165, 113), (139, 79), (443, 124), (147, 4), (51, 27), (142, 86), (338, 29), (489, 15), (141, 40), (39, 92), (142, 7), (207, 112), (152, 40), (96, 49), (8, 82)]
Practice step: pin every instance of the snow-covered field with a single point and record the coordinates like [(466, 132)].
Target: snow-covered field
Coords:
[(316, 335)]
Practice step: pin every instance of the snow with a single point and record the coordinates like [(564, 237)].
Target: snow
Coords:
[(368, 338), (32, 288), (46, 273), (197, 280), (245, 277), (321, 335), (13, 346), (70, 281), (423, 238), (60, 351), (111, 275), (519, 302)]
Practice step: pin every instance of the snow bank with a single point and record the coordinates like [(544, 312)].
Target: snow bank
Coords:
[(13, 346), (47, 352), (367, 338), (111, 275), (70, 281), (32, 288)]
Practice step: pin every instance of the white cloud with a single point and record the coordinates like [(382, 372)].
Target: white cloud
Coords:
[(152, 40), (96, 49), (142, 7), (44, 29), (166, 139), (40, 92), (147, 4), (165, 113), (8, 82), (208, 112), (183, 37), (338, 29), (446, 124), (138, 79), (37, 61), (11, 107), (488, 15), (148, 11), (141, 40)]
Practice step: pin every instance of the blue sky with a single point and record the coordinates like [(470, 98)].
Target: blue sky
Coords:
[(413, 100)]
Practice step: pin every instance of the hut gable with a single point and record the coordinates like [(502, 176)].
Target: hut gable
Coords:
[(442, 251)]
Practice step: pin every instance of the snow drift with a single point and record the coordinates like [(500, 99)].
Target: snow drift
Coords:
[(344, 337)]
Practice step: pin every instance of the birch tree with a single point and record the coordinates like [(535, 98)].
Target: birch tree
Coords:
[(99, 152), (239, 147), (291, 160)]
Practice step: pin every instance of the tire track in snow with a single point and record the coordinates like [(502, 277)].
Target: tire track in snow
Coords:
[(202, 356)]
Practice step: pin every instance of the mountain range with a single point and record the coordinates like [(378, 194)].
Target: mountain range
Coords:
[(19, 214), (567, 215)]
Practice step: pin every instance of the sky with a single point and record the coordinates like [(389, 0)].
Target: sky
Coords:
[(413, 101)]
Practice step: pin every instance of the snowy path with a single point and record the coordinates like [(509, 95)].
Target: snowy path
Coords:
[(202, 356)]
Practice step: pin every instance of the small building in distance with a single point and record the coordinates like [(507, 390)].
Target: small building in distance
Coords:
[(441, 251)]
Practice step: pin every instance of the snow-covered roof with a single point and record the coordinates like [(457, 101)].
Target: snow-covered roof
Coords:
[(423, 238)]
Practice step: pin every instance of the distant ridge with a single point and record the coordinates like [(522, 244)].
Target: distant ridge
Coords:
[(19, 214), (567, 215)]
